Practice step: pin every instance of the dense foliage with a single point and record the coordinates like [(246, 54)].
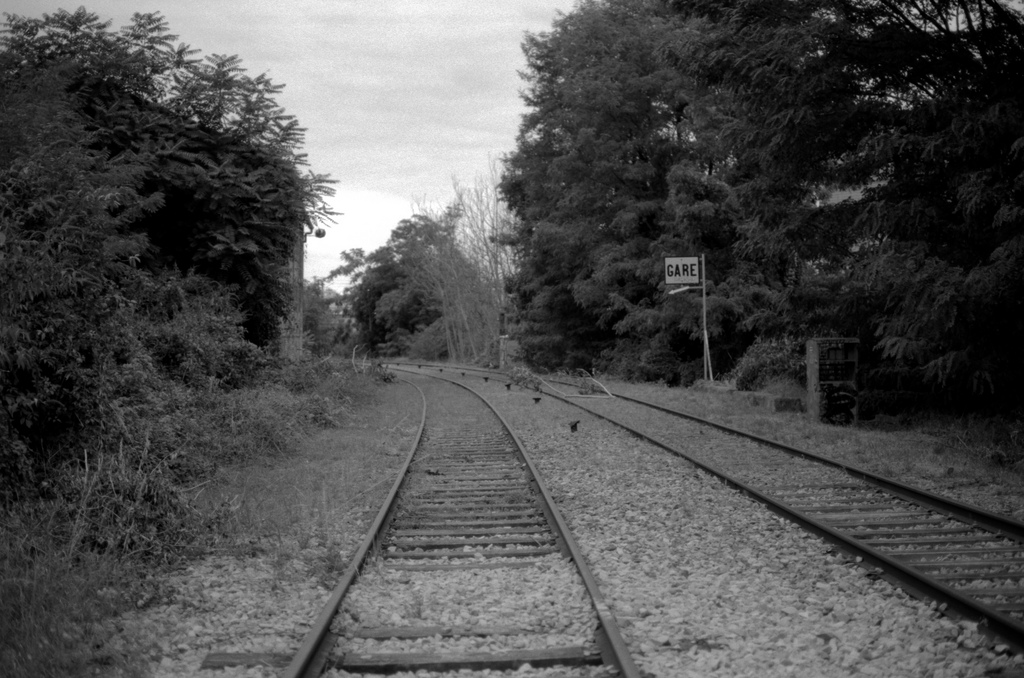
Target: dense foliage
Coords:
[(149, 203), (849, 167)]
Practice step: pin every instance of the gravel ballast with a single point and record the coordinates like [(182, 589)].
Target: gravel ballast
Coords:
[(703, 581), (226, 604), (264, 588), (547, 602), (706, 582)]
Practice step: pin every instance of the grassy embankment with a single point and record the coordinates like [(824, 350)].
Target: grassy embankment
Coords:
[(278, 462)]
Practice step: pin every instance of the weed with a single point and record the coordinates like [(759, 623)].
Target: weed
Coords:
[(582, 380), (331, 565), (415, 606), (382, 374), (149, 486), (767, 359), (54, 603), (520, 376), (784, 387), (517, 497)]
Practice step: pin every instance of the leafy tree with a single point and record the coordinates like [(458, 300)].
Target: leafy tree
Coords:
[(913, 105), (849, 167), (113, 183), (386, 303), (221, 158), (64, 266), (325, 327), (433, 290), (618, 164)]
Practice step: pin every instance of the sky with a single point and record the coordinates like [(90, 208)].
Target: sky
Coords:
[(398, 96)]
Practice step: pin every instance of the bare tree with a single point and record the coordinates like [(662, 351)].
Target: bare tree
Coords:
[(466, 266)]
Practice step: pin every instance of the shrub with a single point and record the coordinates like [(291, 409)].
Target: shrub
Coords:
[(195, 333), (54, 605), (381, 373), (640, 361), (767, 359), (304, 376), (520, 376), (125, 503), (691, 372), (429, 343)]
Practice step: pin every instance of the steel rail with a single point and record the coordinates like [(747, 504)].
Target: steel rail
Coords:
[(614, 650), (311, 657), (920, 584), (994, 522), (1000, 524)]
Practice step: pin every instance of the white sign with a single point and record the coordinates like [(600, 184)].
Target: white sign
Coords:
[(682, 270)]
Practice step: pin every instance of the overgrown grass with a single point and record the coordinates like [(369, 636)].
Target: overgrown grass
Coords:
[(80, 551), (297, 502), (54, 602)]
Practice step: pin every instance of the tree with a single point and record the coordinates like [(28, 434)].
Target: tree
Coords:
[(222, 159), (386, 304), (618, 164), (435, 289), (64, 266), (849, 167), (484, 230), (111, 191), (323, 323), (911, 106)]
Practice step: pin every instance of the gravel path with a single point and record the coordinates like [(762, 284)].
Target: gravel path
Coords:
[(706, 582)]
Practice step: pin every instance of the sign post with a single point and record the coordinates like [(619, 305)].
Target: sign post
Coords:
[(688, 271)]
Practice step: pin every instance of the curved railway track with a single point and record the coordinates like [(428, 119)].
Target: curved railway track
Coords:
[(967, 558), (468, 565)]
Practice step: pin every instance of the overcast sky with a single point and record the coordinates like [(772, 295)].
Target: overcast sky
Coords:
[(398, 96)]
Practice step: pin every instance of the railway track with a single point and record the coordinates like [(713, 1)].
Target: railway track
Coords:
[(467, 566), (967, 558)]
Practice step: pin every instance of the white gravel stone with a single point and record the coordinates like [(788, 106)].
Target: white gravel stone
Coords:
[(224, 604), (547, 600), (705, 582)]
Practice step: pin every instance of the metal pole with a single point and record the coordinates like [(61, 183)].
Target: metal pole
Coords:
[(708, 374)]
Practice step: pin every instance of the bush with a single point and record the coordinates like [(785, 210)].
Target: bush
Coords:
[(55, 603), (691, 372), (520, 376), (429, 343), (76, 376), (125, 503), (640, 361), (397, 344), (304, 376), (195, 333), (768, 359), (125, 491)]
